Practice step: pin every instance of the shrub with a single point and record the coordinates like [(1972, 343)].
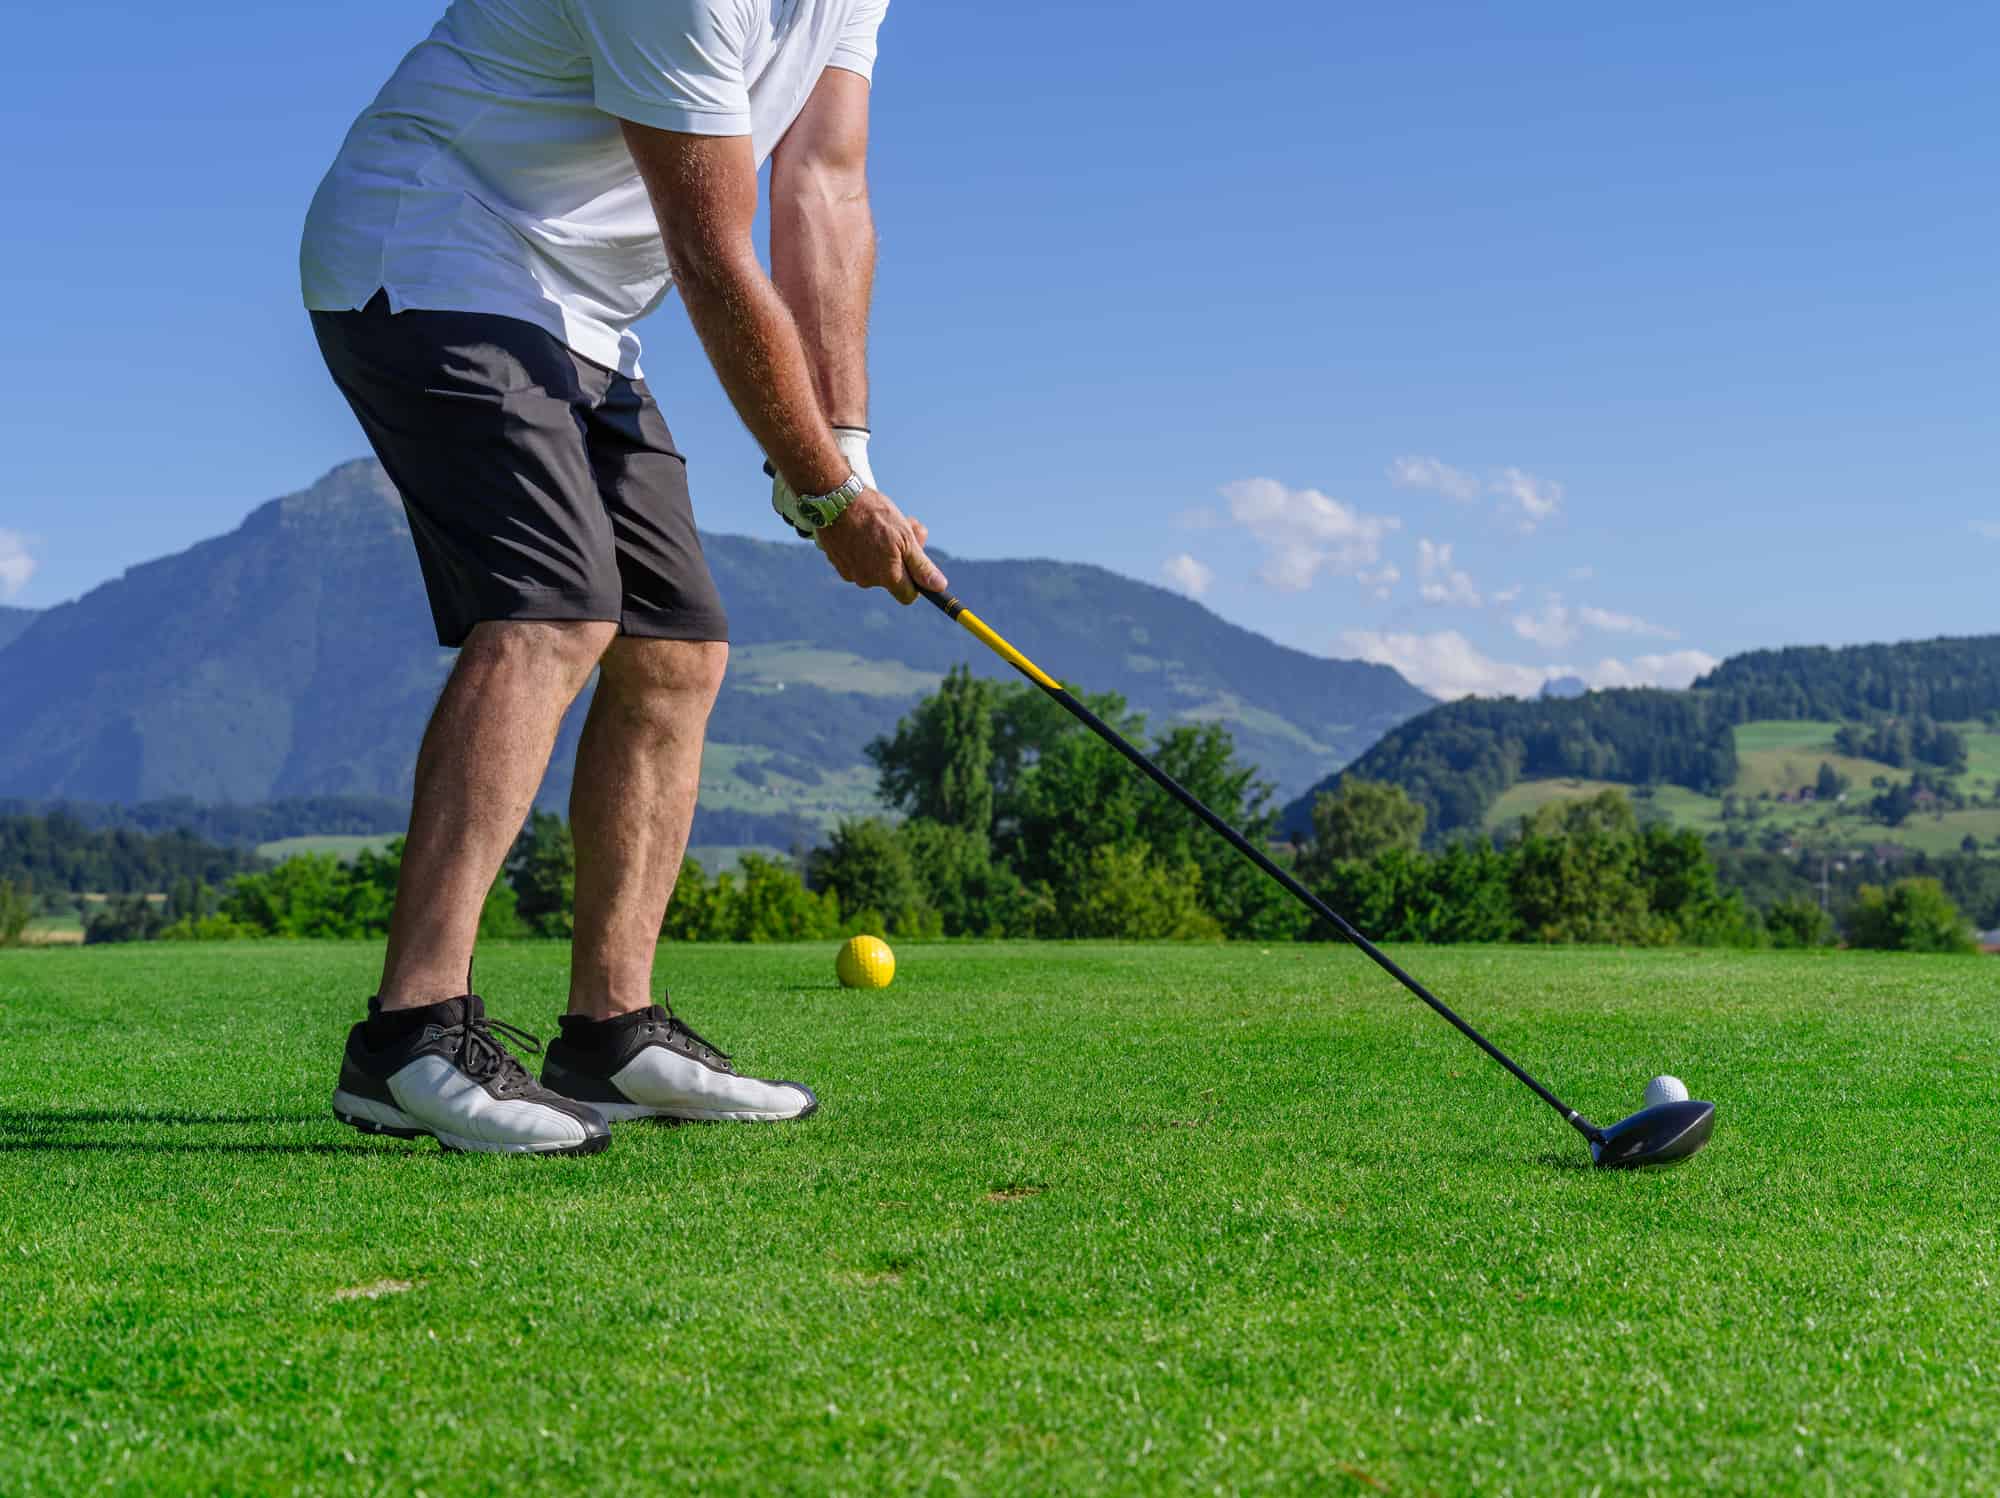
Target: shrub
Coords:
[(1911, 915)]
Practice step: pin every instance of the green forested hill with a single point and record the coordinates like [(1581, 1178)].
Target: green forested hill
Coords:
[(293, 658), (1944, 679), (1877, 716), (1458, 758)]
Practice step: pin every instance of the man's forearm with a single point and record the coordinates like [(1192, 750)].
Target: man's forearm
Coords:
[(759, 356), (823, 263)]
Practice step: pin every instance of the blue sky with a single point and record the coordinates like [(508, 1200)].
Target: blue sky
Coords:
[(1484, 340)]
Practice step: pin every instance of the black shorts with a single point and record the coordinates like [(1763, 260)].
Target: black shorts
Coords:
[(539, 485)]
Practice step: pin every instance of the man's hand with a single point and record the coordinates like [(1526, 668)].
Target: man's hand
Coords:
[(875, 545)]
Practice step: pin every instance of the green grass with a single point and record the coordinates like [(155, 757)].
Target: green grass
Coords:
[(771, 668), (838, 793), (1780, 756), (343, 846), (1784, 756), (1072, 1219)]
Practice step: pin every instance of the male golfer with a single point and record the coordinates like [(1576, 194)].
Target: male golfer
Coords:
[(529, 183)]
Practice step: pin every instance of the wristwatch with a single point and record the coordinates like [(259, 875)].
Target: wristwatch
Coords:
[(818, 511)]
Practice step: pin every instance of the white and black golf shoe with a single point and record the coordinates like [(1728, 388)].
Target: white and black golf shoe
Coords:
[(449, 1076), (648, 1064)]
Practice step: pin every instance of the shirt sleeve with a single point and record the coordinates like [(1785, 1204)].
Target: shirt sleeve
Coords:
[(672, 64), (855, 51)]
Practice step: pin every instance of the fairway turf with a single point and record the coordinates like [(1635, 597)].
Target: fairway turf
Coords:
[(1090, 1218)]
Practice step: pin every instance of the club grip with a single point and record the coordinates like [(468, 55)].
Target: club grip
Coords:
[(947, 603)]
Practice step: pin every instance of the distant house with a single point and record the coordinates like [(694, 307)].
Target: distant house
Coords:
[(1889, 852), (1989, 941)]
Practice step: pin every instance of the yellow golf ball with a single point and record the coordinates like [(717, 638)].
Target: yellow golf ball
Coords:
[(865, 962)]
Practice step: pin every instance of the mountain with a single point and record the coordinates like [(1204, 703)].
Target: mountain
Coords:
[(293, 657), (1754, 732), (1565, 687), (12, 623)]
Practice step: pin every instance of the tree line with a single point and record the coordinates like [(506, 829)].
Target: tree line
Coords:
[(1010, 819), (60, 851), (229, 824), (1955, 680)]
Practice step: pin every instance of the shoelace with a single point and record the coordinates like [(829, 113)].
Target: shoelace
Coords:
[(678, 1026), (481, 1053)]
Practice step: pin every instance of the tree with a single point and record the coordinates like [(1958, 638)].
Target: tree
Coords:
[(1578, 877), (1681, 891), (1132, 896), (1831, 784), (1246, 901), (1911, 915), (774, 904), (17, 908), (124, 918), (1796, 922), (938, 765), (699, 909), (867, 866), (972, 894), (542, 870), (1359, 819), (306, 896)]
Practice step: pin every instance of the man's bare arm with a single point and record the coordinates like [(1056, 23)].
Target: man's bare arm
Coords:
[(823, 239), (704, 193)]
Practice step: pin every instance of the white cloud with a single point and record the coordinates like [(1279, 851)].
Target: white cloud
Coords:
[(1622, 624), (1440, 582), (1446, 664), (1507, 595), (1382, 581), (16, 565), (1429, 473), (1535, 499), (1990, 529), (1554, 626), (1582, 574), (1198, 518), (1305, 533), (1187, 574), (1675, 669)]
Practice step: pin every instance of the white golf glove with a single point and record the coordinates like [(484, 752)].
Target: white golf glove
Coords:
[(853, 447)]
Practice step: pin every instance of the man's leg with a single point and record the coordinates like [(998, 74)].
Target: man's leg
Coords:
[(638, 767), (637, 770), (483, 756)]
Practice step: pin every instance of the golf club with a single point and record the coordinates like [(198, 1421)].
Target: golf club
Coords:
[(1653, 1136)]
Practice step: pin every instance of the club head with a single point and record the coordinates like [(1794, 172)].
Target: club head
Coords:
[(1654, 1136)]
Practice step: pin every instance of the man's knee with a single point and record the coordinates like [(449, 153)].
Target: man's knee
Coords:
[(562, 651), (672, 675)]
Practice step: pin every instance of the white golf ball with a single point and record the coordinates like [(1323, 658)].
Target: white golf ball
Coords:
[(1665, 1090)]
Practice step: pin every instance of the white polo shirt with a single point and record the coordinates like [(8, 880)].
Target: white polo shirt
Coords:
[(490, 175)]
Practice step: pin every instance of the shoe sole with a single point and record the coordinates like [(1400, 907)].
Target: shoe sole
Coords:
[(356, 1113), (637, 1112)]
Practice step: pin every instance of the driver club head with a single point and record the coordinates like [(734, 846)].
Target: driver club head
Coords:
[(1654, 1136)]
